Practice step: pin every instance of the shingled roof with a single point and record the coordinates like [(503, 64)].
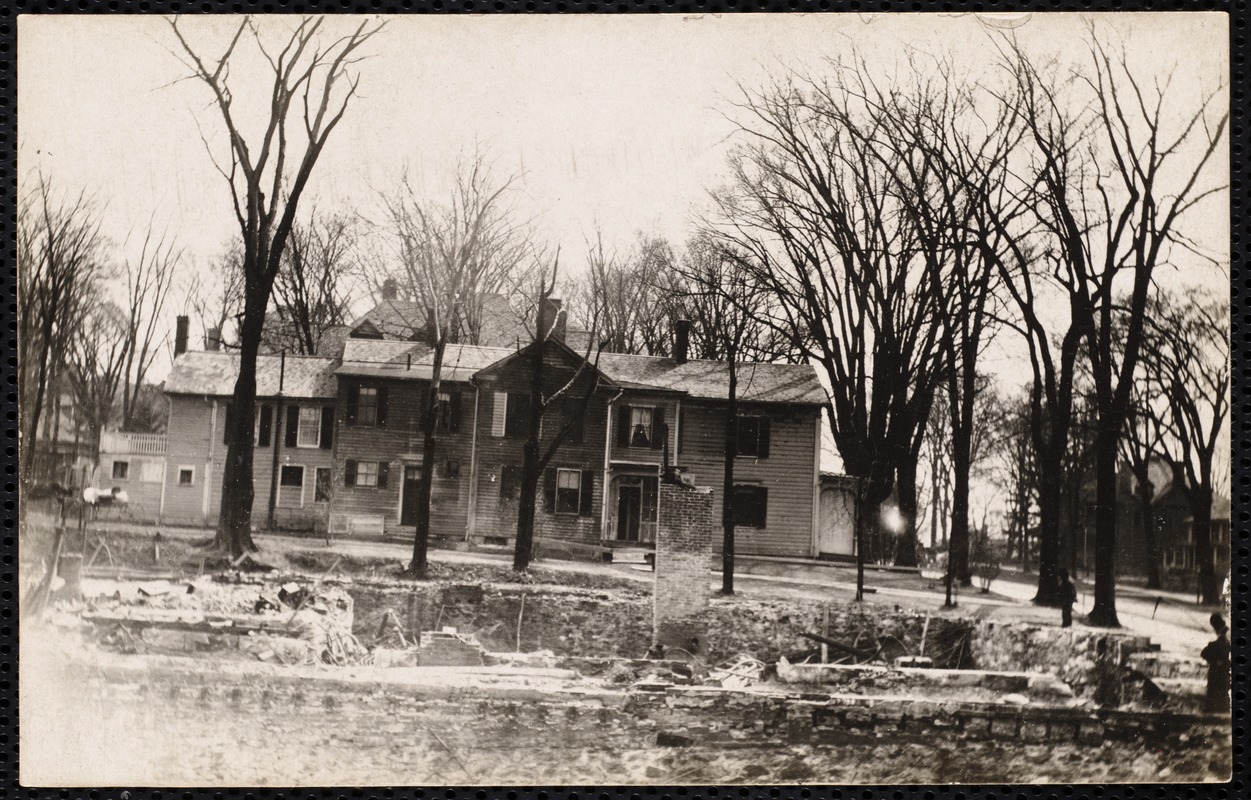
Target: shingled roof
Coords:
[(710, 380), (213, 373), (394, 359)]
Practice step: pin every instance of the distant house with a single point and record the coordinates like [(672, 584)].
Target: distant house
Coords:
[(1173, 527), (357, 452)]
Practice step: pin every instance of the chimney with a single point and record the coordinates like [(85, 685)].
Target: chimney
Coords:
[(549, 312), (181, 330), (681, 340), (389, 289), (213, 339)]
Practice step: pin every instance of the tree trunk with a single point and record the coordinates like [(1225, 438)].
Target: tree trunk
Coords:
[(906, 549), (727, 488), (429, 446), (1050, 497), (530, 466), (1201, 514), (959, 550), (234, 524), (1103, 614), (41, 387), (1148, 526)]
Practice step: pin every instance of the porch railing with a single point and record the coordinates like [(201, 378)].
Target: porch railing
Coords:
[(142, 444)]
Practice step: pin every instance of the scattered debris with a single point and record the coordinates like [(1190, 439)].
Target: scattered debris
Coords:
[(1015, 699), (744, 671)]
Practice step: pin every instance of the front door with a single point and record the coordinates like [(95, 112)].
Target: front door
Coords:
[(408, 495), (629, 512)]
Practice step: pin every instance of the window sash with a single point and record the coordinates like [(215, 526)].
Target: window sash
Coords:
[(189, 474), (748, 439), (641, 426), (568, 491), (309, 427), (122, 473), (366, 473), (367, 406)]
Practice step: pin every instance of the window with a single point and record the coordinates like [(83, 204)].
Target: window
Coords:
[(371, 474), (291, 485), (751, 506), (572, 417), (516, 415), (447, 413), (510, 479), (321, 485), (753, 437), (186, 476), (121, 469), (310, 427), (641, 426), (367, 405), (568, 491)]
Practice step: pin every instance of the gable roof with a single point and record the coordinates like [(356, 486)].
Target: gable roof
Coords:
[(394, 319), (213, 373), (388, 358), (710, 380)]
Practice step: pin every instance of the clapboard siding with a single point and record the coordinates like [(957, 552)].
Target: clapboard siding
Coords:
[(398, 443), (789, 472), (498, 517), (195, 439)]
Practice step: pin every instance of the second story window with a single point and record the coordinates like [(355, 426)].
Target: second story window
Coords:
[(572, 416), (753, 437), (310, 427), (640, 426), (447, 413), (367, 406)]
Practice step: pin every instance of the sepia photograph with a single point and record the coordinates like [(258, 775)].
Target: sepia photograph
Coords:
[(489, 400)]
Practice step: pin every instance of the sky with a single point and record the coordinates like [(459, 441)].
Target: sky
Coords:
[(615, 125)]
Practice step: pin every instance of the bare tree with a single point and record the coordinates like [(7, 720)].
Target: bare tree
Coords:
[(97, 367), (311, 291), (450, 252), (626, 297), (548, 386), (814, 209), (60, 263), (149, 279), (214, 296), (1189, 368), (267, 178)]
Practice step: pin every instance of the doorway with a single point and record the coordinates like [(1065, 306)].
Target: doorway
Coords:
[(408, 494), (636, 508)]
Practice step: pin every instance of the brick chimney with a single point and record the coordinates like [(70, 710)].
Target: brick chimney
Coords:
[(549, 312), (213, 339), (681, 340), (389, 289), (182, 329)]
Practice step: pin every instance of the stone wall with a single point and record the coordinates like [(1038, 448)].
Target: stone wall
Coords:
[(1093, 661), (683, 549)]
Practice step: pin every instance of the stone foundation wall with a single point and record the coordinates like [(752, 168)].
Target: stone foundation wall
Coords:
[(683, 549), (1093, 661)]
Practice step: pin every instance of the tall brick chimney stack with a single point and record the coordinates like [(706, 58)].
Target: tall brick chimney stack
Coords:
[(681, 340), (182, 330), (213, 339), (549, 313)]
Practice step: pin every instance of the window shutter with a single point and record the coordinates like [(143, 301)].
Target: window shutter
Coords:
[(349, 473), (681, 430), (454, 416), (293, 425), (587, 495), (382, 406), (762, 508), (549, 490), (384, 467), (265, 426), (499, 413), (763, 451), (353, 400), (659, 431), (226, 423), (327, 427), (508, 481), (623, 426)]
